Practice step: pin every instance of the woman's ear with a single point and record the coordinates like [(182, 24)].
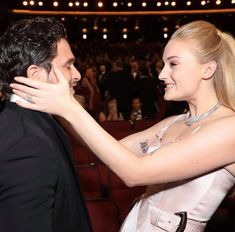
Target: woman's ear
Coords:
[(209, 70), (37, 73)]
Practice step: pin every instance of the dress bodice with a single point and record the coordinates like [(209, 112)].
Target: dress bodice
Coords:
[(199, 196)]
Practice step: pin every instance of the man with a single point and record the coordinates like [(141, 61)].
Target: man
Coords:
[(103, 79), (39, 191), (119, 87), (136, 112)]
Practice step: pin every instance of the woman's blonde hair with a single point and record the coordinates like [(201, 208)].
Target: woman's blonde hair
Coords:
[(211, 44)]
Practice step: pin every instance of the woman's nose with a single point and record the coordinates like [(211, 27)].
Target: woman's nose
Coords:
[(162, 74)]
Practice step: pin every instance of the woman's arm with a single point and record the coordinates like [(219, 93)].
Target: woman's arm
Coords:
[(204, 151), (140, 141), (120, 116), (197, 154)]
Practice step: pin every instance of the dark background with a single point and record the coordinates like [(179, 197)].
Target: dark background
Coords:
[(150, 27)]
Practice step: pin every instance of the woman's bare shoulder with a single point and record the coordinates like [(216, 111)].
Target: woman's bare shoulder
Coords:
[(223, 122)]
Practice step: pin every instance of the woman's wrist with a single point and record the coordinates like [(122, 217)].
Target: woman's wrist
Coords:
[(66, 110)]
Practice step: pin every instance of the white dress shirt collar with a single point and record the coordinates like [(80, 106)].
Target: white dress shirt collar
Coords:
[(15, 97)]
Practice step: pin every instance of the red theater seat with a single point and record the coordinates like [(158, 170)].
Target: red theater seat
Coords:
[(82, 156), (89, 180), (141, 125), (110, 126), (104, 215), (122, 195)]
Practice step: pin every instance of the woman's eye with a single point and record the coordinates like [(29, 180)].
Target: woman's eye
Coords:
[(172, 64)]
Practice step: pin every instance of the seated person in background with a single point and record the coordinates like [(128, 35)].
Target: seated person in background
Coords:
[(110, 111), (136, 112), (81, 99), (102, 80)]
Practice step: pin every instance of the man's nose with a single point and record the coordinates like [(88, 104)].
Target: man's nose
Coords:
[(76, 75)]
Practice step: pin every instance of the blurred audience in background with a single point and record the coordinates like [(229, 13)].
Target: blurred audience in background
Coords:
[(122, 71), (110, 111)]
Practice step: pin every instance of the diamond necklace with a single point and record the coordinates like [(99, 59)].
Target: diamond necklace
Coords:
[(189, 120)]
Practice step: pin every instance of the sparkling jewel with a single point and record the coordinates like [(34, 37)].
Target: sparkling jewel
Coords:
[(189, 120)]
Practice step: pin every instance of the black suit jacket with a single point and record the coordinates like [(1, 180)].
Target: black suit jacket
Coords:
[(39, 191)]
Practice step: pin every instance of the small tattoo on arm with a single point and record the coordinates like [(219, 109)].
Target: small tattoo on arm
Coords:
[(144, 146)]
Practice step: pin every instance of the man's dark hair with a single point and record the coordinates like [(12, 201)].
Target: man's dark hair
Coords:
[(27, 42)]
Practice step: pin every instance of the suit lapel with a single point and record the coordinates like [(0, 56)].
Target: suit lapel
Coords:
[(47, 121), (63, 139)]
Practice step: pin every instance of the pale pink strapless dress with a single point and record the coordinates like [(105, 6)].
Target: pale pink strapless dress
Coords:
[(199, 197)]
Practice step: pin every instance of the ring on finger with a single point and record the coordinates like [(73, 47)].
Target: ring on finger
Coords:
[(29, 98)]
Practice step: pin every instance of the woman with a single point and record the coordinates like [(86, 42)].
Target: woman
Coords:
[(90, 77), (86, 89), (110, 111), (188, 160)]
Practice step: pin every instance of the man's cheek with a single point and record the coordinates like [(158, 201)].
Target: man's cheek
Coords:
[(51, 78)]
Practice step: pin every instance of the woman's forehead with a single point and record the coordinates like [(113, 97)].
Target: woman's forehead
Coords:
[(177, 48)]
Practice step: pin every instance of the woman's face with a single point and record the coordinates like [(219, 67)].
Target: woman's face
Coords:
[(112, 104), (182, 72)]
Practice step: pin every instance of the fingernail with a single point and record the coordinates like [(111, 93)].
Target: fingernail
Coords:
[(16, 78), (12, 85)]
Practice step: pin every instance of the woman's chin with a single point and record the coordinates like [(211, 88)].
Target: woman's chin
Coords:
[(167, 97)]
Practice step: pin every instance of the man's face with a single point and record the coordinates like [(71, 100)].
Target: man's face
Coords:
[(102, 68), (136, 104), (64, 60), (134, 66)]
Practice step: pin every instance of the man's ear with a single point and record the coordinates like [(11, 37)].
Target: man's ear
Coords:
[(209, 70), (33, 72), (37, 73)]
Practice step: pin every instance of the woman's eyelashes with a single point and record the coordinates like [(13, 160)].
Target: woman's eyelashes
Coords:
[(172, 64)]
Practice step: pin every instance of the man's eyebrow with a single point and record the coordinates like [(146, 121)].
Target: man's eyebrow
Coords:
[(69, 61)]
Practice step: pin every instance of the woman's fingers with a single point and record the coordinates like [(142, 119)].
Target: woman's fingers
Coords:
[(21, 90), (30, 82), (59, 74), (27, 97), (43, 96), (28, 105), (32, 102)]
